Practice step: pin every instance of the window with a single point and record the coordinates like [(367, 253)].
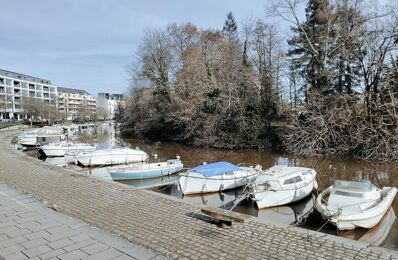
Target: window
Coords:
[(31, 86), (24, 93), (8, 82), (293, 180), (39, 94), (2, 81), (9, 91), (38, 87), (46, 95), (17, 83), (52, 89), (45, 88), (24, 84)]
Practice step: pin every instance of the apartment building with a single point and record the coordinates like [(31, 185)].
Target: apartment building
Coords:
[(108, 103), (76, 104), (16, 88)]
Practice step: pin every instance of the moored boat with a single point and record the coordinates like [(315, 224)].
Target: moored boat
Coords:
[(59, 149), (145, 170), (215, 177), (111, 157), (280, 185), (352, 204)]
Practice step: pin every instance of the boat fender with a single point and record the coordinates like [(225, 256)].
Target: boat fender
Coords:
[(315, 185)]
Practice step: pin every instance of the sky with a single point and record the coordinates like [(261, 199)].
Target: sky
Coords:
[(88, 44)]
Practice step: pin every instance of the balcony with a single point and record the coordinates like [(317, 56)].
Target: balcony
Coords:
[(17, 84)]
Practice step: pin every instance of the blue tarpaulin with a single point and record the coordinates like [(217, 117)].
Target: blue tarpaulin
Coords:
[(213, 169)]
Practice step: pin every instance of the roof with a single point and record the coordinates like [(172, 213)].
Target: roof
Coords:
[(20, 76), (214, 169), (73, 91)]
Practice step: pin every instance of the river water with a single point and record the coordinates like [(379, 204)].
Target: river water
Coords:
[(300, 214)]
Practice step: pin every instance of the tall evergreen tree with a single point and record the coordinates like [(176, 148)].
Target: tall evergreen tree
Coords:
[(230, 29), (309, 48)]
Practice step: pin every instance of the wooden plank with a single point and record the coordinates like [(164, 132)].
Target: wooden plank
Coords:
[(226, 215)]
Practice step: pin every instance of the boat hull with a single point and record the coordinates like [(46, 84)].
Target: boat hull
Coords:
[(144, 173), (272, 198), (194, 185), (59, 152), (366, 219), (110, 158)]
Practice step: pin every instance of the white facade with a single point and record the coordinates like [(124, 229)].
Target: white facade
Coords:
[(108, 103), (14, 87), (76, 104)]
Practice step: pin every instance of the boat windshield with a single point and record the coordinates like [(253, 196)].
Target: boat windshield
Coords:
[(353, 186), (349, 194)]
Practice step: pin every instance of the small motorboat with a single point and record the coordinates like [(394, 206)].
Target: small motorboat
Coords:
[(110, 157), (281, 185), (353, 204), (145, 170), (60, 148), (215, 177), (40, 136)]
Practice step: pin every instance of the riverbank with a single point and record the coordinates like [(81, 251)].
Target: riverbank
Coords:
[(164, 224)]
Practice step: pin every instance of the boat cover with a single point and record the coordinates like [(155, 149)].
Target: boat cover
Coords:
[(213, 169)]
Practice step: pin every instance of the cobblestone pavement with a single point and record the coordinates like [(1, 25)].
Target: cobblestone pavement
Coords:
[(28, 229), (165, 224)]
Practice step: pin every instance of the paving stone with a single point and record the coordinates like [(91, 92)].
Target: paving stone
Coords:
[(37, 234), (105, 255), (34, 243), (95, 248), (37, 251), (73, 255), (12, 241), (60, 243), (79, 238), (16, 256), (18, 233), (52, 253), (79, 245), (123, 257), (11, 250)]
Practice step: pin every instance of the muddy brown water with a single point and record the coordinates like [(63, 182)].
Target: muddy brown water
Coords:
[(300, 214)]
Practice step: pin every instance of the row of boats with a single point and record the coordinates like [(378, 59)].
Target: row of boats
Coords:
[(345, 204)]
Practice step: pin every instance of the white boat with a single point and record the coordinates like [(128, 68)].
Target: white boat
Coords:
[(215, 177), (352, 204), (281, 184), (145, 170), (39, 136), (34, 140), (111, 157), (59, 149)]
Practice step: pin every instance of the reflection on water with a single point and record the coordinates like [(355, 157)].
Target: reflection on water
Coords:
[(300, 213)]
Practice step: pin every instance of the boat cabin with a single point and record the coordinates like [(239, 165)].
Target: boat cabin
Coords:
[(353, 196)]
